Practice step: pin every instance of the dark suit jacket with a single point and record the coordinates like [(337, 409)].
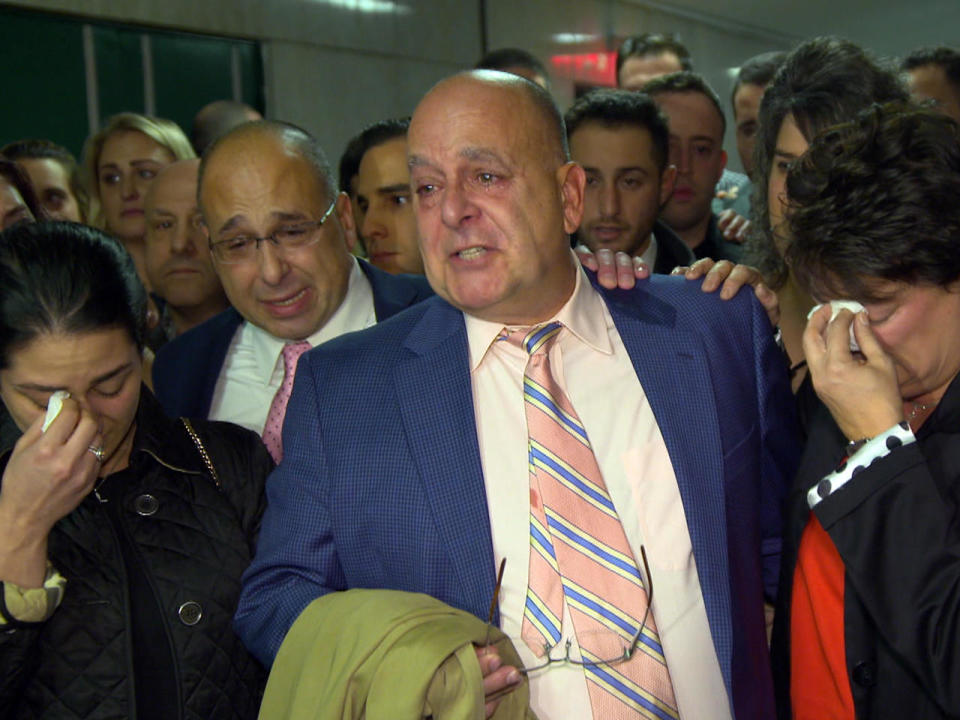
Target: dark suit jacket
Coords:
[(671, 250), (716, 246), (382, 486), (186, 369)]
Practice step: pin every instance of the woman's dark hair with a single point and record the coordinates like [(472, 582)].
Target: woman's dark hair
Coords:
[(876, 199), (64, 277), (822, 82), (12, 173)]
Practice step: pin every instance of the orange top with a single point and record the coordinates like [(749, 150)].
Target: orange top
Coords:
[(819, 682)]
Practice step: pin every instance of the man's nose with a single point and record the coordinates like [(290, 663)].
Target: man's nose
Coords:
[(456, 205), (372, 228), (273, 264), (610, 200), (680, 158), (185, 240)]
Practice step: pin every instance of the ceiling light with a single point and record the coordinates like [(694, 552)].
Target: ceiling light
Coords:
[(368, 6), (573, 38)]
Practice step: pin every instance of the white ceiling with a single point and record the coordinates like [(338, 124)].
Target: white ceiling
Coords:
[(888, 27)]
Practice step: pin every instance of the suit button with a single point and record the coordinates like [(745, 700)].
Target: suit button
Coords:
[(865, 674), (190, 613), (146, 505)]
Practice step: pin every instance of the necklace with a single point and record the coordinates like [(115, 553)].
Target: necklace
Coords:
[(101, 500), (917, 409)]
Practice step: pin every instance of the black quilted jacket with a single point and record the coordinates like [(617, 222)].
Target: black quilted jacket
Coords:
[(195, 540)]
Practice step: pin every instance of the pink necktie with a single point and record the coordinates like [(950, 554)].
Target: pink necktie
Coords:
[(273, 429), (578, 551)]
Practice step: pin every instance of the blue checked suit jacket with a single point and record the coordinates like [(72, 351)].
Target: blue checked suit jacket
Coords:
[(381, 484), (186, 369)]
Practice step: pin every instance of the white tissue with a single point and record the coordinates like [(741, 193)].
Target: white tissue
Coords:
[(54, 406), (835, 307)]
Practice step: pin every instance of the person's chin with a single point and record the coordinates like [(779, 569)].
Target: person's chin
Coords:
[(295, 328), (185, 298), (130, 227), (406, 266), (386, 261), (614, 242)]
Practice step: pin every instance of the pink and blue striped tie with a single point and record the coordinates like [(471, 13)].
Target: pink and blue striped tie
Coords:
[(579, 552)]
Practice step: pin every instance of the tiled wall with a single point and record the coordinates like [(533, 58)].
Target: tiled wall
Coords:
[(333, 69)]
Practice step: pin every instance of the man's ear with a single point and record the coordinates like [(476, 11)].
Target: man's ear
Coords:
[(344, 212), (572, 180), (668, 179)]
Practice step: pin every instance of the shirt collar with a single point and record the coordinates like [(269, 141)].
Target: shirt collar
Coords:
[(356, 312), (649, 256), (582, 315)]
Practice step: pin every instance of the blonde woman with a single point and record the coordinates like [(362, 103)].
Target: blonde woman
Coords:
[(120, 162)]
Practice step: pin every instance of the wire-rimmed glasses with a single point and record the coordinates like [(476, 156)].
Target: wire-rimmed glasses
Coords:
[(243, 248), (615, 646)]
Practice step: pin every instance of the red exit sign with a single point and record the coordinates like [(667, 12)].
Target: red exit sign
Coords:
[(594, 68)]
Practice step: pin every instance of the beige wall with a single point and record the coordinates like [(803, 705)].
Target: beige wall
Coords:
[(333, 70), (715, 45)]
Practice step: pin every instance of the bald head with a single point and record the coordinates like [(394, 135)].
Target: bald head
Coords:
[(266, 179), (540, 114), (217, 119), (175, 177), (495, 196), (261, 135), (176, 259)]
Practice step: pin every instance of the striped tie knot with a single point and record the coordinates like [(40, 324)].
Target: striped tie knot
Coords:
[(536, 340)]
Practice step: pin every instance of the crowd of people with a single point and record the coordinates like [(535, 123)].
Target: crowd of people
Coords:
[(270, 436)]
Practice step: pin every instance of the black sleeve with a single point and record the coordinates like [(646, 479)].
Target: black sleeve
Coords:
[(19, 654), (242, 464), (900, 544)]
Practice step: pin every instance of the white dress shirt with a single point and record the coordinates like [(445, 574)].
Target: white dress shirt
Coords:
[(252, 370), (592, 366), (649, 256)]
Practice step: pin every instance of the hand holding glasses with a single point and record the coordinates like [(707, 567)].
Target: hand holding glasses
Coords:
[(619, 646)]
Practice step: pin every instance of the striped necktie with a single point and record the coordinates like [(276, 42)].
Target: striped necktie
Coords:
[(578, 551)]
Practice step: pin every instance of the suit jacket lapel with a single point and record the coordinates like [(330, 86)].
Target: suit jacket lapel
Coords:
[(672, 369), (390, 294), (436, 404)]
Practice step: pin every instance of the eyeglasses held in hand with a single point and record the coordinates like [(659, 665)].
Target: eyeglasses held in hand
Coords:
[(243, 248), (619, 648)]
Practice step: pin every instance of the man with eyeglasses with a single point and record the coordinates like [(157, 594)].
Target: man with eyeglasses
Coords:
[(600, 442), (279, 234)]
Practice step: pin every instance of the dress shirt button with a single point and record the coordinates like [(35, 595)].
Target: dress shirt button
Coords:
[(146, 505), (865, 674), (190, 613)]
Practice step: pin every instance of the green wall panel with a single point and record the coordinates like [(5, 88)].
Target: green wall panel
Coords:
[(44, 91), (251, 74), (119, 70), (189, 72)]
